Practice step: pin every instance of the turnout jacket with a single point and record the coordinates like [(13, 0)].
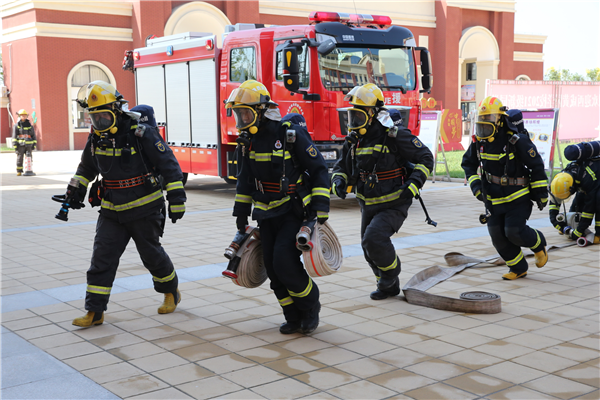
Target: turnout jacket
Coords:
[(264, 162), (503, 158), (588, 181), (390, 158), (126, 169), (23, 134)]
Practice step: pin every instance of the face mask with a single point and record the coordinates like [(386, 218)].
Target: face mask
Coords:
[(103, 120), (245, 117)]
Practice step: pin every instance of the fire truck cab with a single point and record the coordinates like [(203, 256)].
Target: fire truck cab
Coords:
[(187, 78)]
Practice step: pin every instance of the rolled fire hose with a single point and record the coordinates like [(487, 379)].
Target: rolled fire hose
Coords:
[(586, 240), (325, 256), (251, 272), (469, 302)]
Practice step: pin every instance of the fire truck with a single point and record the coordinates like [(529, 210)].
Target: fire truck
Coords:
[(307, 69)]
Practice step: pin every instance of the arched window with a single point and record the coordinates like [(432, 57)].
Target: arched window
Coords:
[(82, 76), (522, 78)]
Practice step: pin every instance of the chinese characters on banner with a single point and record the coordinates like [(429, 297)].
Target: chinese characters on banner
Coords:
[(451, 130)]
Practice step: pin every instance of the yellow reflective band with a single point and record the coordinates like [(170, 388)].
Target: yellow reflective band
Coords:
[(391, 266), (260, 156), (423, 169), (279, 153), (597, 223), (271, 205), (491, 157), (286, 301), (558, 227), (379, 200), (510, 198), (98, 289), (133, 204), (322, 214), (577, 233), (538, 184), (305, 292), (554, 207), (243, 198), (30, 141), (413, 188), (538, 241), (587, 215), (515, 260), (168, 278), (307, 199), (319, 191), (340, 174), (174, 185), (369, 150), (177, 207), (477, 193), (111, 152), (592, 174), (510, 156), (82, 180), (474, 178)]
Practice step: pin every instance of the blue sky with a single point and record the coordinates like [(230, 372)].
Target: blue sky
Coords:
[(572, 28)]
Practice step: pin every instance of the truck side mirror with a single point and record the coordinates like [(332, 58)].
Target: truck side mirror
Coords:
[(326, 47), (291, 77), (426, 75)]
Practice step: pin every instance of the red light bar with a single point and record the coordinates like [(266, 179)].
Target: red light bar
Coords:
[(324, 16), (210, 44), (136, 56)]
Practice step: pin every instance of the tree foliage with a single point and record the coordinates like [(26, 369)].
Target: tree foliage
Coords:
[(553, 74)]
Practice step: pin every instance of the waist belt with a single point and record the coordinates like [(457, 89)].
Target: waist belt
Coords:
[(23, 136), (273, 187), (383, 175), (124, 183), (506, 181)]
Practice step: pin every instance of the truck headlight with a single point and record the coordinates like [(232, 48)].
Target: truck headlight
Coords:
[(329, 155)]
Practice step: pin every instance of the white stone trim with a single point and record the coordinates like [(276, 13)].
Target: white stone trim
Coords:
[(522, 77), (178, 13), (88, 32), (528, 56), (8, 8), (530, 39), (498, 6), (468, 33)]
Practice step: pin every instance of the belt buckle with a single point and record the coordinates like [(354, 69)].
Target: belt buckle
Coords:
[(504, 180)]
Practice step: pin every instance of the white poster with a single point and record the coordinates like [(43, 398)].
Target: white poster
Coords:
[(430, 130), (541, 127)]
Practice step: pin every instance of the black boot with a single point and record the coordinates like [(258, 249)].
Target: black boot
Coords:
[(311, 319), (383, 292), (289, 327)]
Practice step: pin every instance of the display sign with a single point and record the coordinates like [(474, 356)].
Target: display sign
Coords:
[(467, 93), (541, 126), (451, 130), (430, 129)]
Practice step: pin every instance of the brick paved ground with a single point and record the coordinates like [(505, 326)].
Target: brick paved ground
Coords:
[(223, 340)]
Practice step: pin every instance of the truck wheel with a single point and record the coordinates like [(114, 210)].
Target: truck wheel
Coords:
[(230, 181)]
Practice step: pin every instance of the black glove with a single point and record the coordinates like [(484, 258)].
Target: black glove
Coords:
[(176, 211), (338, 187), (572, 235), (409, 190), (322, 218), (479, 196), (241, 222), (542, 203)]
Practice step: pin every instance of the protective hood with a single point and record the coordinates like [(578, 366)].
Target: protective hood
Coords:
[(273, 114)]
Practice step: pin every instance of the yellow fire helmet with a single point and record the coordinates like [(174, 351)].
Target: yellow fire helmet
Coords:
[(365, 99), (22, 111), (245, 101), (562, 186), (102, 100), (489, 117)]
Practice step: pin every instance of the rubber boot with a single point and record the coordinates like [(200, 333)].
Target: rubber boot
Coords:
[(170, 303), (289, 327), (511, 276), (311, 319), (383, 292), (541, 257), (90, 319), (18, 174)]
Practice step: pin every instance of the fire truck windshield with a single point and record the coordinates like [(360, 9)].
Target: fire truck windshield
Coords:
[(391, 69)]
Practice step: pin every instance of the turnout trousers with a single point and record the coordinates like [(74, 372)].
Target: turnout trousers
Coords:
[(110, 242), (21, 151), (509, 232), (376, 230), (294, 289)]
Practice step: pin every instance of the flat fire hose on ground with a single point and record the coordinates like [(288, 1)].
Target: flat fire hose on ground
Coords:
[(469, 302), (325, 256)]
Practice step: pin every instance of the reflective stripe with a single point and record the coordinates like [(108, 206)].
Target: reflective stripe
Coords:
[(111, 152), (243, 198), (515, 260), (538, 184), (279, 153), (379, 200), (592, 174), (474, 178), (319, 191), (558, 227), (174, 185), (168, 278), (391, 266), (597, 223), (340, 174), (98, 289), (82, 180), (413, 188), (554, 207), (477, 193), (260, 156), (271, 205), (322, 214), (305, 292), (491, 157), (510, 198), (369, 150), (587, 215), (133, 204), (177, 207), (577, 233), (286, 301), (423, 169), (307, 199), (538, 241)]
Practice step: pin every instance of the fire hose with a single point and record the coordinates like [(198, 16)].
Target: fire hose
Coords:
[(246, 267), (322, 254), (469, 302)]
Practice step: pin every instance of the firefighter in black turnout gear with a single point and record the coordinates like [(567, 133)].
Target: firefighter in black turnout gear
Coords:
[(388, 166), (512, 178), (283, 174), (129, 156), (24, 140)]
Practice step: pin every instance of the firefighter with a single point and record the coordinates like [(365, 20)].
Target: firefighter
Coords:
[(554, 204), (388, 166), (512, 177), (24, 141), (581, 177), (283, 174), (127, 154)]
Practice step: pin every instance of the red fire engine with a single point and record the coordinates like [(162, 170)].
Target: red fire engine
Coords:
[(186, 78)]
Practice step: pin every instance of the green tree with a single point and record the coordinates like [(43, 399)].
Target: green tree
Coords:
[(593, 74), (553, 74)]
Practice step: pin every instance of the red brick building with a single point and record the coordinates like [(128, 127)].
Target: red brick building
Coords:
[(50, 49)]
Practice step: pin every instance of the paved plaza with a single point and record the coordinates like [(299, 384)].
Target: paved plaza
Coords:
[(223, 340)]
